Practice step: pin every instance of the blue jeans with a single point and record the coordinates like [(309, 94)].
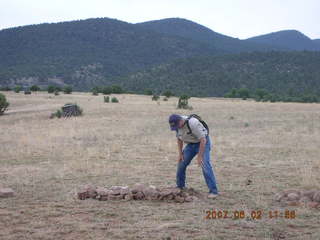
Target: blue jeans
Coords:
[(190, 150)]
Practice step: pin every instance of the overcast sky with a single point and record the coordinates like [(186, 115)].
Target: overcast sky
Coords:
[(235, 18)]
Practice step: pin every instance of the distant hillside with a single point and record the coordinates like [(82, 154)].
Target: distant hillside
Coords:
[(278, 72), (101, 51), (191, 30), (290, 38), (85, 53)]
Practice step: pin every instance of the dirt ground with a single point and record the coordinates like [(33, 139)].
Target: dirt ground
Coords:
[(259, 149)]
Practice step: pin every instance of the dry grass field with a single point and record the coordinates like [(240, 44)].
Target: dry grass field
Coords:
[(275, 146)]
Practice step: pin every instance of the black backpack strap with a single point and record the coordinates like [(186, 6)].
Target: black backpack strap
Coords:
[(187, 122)]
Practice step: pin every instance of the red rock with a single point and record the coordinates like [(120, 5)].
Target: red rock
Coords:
[(313, 204), (293, 203)]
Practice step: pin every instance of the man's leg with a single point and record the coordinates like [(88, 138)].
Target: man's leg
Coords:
[(207, 169), (188, 154)]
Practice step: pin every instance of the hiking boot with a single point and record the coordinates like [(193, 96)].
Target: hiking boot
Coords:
[(212, 196)]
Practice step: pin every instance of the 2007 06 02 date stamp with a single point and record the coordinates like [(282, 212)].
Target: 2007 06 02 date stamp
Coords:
[(253, 214)]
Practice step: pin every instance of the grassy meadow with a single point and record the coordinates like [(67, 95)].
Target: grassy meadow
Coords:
[(259, 149)]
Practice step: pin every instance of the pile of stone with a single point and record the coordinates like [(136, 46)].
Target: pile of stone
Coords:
[(309, 198), (6, 192), (137, 192)]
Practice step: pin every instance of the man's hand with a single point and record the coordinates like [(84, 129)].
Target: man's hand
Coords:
[(180, 158), (200, 161)]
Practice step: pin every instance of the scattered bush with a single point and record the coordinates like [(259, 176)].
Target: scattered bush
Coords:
[(165, 99), (68, 110), (114, 100), (17, 89), (51, 89), (95, 92), (5, 88), (168, 94), (155, 97), (57, 114), (148, 92), (27, 92), (56, 92), (183, 102), (116, 89), (265, 96), (35, 88), (106, 99), (3, 104), (67, 90)]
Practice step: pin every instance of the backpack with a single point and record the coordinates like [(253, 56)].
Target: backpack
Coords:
[(200, 120)]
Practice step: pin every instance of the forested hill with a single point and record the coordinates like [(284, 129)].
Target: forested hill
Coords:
[(291, 39), (101, 51), (191, 30), (291, 73), (87, 52)]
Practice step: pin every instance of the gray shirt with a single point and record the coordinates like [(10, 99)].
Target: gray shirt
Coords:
[(197, 129)]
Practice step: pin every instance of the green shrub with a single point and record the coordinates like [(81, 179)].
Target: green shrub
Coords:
[(56, 92), (51, 89), (114, 100), (106, 99), (35, 88), (155, 97), (148, 92), (3, 104), (165, 99), (116, 89), (17, 89), (5, 88), (67, 90), (95, 92), (168, 94), (27, 92), (183, 102), (107, 90)]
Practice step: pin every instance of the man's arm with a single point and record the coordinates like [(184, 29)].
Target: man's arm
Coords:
[(180, 146), (202, 146)]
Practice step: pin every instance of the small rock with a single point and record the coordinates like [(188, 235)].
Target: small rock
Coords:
[(305, 199), (128, 197), (293, 203), (287, 192), (293, 196), (308, 193), (138, 196), (313, 204), (279, 196), (82, 195), (6, 192), (316, 196), (102, 191), (189, 199), (124, 190), (138, 187), (179, 199)]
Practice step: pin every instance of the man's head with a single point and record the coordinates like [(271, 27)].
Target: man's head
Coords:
[(175, 122)]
